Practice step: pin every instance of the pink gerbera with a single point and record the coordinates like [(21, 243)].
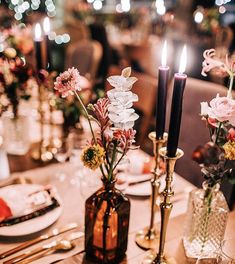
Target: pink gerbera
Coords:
[(68, 82)]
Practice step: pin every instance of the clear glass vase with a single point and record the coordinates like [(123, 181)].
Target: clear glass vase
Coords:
[(206, 222), (107, 214), (16, 134)]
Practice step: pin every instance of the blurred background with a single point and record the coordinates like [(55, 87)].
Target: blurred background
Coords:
[(101, 37)]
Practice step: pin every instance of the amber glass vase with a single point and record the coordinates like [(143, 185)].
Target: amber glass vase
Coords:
[(107, 214)]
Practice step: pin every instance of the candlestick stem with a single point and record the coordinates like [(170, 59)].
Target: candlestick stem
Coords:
[(41, 152), (165, 207), (149, 237)]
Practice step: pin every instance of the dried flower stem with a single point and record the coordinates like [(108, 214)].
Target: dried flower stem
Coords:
[(89, 121)]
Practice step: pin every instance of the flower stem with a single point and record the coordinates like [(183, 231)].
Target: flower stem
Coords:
[(89, 121), (229, 94), (112, 162), (217, 132), (87, 116)]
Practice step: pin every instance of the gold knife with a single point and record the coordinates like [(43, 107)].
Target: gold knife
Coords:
[(44, 249), (53, 233)]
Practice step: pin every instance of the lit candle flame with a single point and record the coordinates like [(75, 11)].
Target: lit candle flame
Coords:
[(46, 25), (164, 54), (183, 60), (37, 32)]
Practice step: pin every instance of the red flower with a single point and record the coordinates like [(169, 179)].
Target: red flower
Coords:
[(231, 134), (124, 137)]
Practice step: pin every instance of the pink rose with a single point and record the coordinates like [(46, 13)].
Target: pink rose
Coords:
[(223, 109), (231, 134)]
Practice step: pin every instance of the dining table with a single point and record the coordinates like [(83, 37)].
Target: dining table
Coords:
[(72, 197)]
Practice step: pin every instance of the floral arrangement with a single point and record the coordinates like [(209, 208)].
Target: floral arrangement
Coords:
[(217, 157), (113, 114), (16, 76), (16, 80), (16, 41), (210, 22)]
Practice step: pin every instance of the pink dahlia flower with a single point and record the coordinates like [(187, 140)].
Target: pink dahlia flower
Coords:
[(68, 82)]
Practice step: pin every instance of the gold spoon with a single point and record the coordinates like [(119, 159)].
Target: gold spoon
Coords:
[(64, 245), (61, 245)]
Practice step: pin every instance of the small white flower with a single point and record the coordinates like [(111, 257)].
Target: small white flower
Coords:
[(122, 82), (204, 108), (121, 100)]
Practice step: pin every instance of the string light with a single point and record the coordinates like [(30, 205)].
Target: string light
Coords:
[(160, 6), (22, 7)]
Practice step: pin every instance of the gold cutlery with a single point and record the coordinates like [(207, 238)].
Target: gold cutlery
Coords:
[(138, 182), (63, 244), (16, 180), (53, 233)]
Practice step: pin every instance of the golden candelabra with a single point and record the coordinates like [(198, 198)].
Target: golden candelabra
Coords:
[(165, 208), (149, 237)]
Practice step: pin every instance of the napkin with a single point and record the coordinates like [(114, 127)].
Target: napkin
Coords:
[(17, 207)]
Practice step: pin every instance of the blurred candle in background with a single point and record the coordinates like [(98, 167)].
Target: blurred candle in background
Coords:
[(38, 46), (176, 107), (163, 73), (46, 29)]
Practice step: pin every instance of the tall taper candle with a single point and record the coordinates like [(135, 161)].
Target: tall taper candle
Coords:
[(161, 94), (46, 29), (176, 107), (38, 47)]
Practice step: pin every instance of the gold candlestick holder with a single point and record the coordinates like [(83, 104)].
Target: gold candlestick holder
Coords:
[(149, 237), (41, 152), (165, 208)]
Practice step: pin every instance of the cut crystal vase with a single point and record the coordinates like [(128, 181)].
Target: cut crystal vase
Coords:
[(16, 134), (206, 222), (107, 214)]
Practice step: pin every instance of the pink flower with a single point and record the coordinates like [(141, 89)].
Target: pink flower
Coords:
[(68, 82), (223, 67), (223, 109), (210, 62), (101, 111), (124, 137), (231, 134)]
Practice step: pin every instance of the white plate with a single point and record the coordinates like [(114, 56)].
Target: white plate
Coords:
[(140, 189), (33, 225), (143, 189)]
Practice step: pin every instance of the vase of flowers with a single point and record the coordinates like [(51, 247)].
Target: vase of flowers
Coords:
[(207, 207), (16, 80), (107, 210)]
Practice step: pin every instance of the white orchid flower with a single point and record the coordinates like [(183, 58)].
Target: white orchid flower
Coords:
[(121, 83), (121, 100)]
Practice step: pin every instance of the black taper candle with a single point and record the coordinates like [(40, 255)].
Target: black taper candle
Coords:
[(161, 100), (38, 46), (46, 28), (38, 54), (176, 113), (48, 54)]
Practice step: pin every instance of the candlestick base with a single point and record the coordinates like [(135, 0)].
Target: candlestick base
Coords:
[(41, 153), (152, 259), (147, 238)]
